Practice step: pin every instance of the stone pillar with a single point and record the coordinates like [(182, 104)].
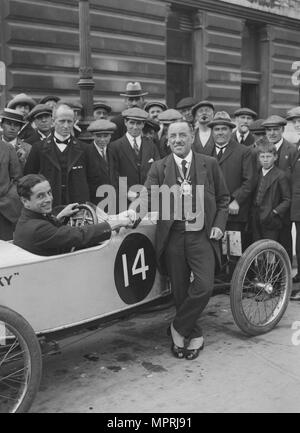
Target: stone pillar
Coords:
[(266, 55)]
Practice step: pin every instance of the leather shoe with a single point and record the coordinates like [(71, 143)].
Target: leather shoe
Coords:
[(178, 352), (193, 353)]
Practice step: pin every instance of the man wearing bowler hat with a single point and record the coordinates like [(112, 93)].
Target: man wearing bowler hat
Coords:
[(134, 97), (131, 156), (41, 115), (286, 154), (203, 113), (184, 106), (244, 117), (11, 123), (101, 110), (236, 164), (98, 151), (23, 104)]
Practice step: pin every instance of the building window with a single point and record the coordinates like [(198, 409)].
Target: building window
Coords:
[(179, 56)]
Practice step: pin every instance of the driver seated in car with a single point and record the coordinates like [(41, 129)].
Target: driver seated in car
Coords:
[(39, 232)]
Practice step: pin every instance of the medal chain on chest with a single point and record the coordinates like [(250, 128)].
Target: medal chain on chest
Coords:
[(185, 181)]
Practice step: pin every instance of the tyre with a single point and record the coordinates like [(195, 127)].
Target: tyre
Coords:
[(20, 362), (260, 287)]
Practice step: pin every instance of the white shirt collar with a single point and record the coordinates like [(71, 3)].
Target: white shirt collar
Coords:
[(204, 136), (266, 171), (60, 137), (130, 138), (188, 159), (100, 150), (278, 144)]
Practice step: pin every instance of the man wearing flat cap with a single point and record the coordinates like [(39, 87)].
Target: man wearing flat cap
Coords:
[(203, 113), (293, 115), (10, 205), (131, 156), (286, 154), (236, 164), (184, 106), (101, 110), (244, 117), (165, 118), (23, 104), (11, 123), (41, 115), (134, 98), (50, 100), (98, 151)]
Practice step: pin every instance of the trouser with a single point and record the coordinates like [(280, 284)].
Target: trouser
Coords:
[(185, 252), (297, 224), (260, 231), (285, 238), (6, 229)]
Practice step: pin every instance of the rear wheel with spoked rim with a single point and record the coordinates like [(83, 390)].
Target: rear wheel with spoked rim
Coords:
[(260, 287)]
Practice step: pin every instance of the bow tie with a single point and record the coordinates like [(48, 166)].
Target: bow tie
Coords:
[(66, 141)]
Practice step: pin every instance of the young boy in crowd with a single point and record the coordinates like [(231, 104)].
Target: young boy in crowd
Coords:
[(272, 195)]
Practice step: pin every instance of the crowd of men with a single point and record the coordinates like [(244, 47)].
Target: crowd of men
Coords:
[(44, 138)]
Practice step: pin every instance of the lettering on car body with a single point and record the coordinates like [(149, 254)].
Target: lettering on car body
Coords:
[(6, 280)]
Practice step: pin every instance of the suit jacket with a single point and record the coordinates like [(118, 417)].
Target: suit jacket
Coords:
[(37, 137), (123, 164), (35, 233), (10, 172), (102, 166), (22, 148), (295, 183), (81, 170), (198, 146), (276, 195), (216, 198), (287, 157), (121, 128), (250, 140), (26, 132), (237, 166)]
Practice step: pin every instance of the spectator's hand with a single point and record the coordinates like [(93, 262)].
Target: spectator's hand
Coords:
[(234, 208), (216, 233), (118, 221), (69, 210)]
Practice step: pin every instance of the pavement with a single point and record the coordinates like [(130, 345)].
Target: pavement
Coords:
[(128, 368)]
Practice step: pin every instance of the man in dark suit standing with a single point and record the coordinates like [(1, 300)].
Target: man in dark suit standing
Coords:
[(64, 160), (235, 161), (186, 240), (41, 115), (98, 151), (166, 118), (287, 152), (134, 98), (244, 117), (131, 156), (203, 113)]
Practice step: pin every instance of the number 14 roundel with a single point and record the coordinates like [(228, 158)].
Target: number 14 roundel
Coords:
[(135, 268)]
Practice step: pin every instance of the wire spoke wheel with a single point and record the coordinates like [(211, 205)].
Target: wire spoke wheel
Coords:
[(260, 287), (20, 363)]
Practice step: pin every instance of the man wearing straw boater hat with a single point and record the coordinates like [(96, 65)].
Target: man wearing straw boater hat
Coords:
[(134, 97), (11, 123)]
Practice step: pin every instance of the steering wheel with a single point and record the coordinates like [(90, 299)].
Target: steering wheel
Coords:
[(86, 215)]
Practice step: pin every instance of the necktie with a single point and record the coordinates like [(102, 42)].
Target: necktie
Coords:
[(221, 151), (135, 146), (58, 141), (184, 167), (103, 153), (242, 139)]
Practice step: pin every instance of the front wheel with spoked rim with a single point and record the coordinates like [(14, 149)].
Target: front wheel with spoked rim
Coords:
[(260, 287), (20, 362)]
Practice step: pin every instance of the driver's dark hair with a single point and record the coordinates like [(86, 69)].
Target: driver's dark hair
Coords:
[(27, 182)]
